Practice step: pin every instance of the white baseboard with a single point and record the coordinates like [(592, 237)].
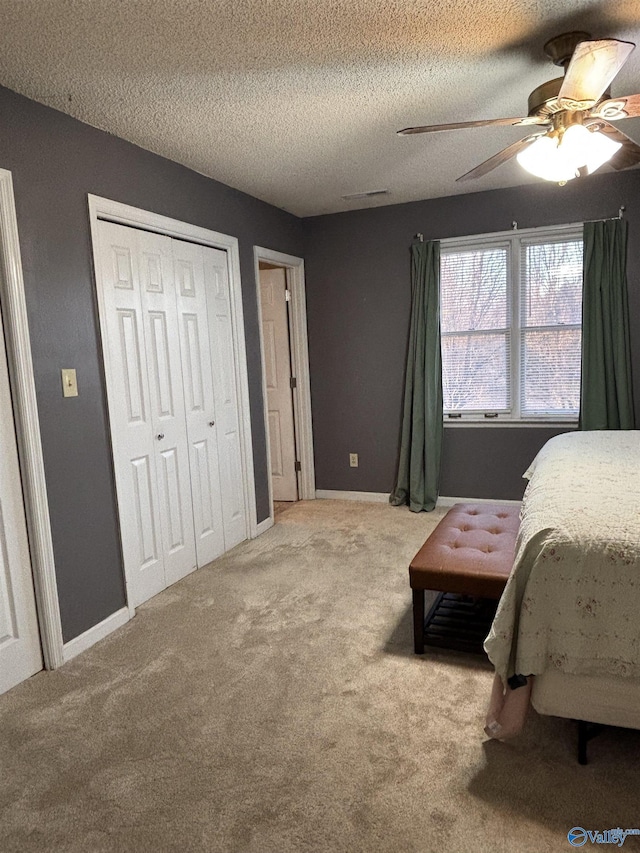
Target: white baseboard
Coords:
[(383, 497), (264, 526), (80, 644), (330, 494), (447, 501)]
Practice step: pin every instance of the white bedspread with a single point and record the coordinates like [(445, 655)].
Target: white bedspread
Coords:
[(573, 598)]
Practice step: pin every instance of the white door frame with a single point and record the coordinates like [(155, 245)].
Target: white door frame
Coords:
[(124, 214), (294, 268), (16, 327)]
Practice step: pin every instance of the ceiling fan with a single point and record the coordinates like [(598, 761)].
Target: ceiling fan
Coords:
[(572, 115)]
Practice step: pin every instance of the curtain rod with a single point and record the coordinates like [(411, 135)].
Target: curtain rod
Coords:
[(621, 210), (514, 226)]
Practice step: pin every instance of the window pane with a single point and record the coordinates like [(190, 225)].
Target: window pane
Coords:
[(551, 372), (473, 287), (552, 283), (475, 372)]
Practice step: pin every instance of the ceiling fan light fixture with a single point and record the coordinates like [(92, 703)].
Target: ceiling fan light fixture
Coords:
[(574, 144), (586, 148), (601, 150), (559, 157), (544, 159)]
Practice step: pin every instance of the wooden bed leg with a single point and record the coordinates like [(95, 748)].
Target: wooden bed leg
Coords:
[(583, 739), (418, 621)]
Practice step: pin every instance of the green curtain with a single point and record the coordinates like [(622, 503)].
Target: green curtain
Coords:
[(421, 442), (606, 393)]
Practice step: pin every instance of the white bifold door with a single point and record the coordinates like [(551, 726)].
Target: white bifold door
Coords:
[(20, 654), (169, 362)]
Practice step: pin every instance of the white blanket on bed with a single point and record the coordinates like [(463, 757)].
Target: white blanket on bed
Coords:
[(573, 598)]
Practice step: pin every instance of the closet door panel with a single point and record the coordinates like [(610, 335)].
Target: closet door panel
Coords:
[(130, 411), (201, 416), (233, 478), (226, 396), (167, 405)]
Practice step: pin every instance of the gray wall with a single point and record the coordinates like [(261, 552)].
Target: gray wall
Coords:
[(358, 310), (55, 162), (358, 297)]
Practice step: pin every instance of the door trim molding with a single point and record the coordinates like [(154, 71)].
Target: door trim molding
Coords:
[(265, 525), (16, 326), (300, 358), (124, 214)]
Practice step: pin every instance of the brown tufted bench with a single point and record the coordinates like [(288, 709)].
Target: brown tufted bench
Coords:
[(470, 552)]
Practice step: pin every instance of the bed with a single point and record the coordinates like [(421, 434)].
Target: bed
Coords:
[(570, 612)]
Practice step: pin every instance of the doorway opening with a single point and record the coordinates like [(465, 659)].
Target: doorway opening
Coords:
[(285, 379)]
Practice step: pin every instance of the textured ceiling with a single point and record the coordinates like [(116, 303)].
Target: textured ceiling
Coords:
[(297, 101)]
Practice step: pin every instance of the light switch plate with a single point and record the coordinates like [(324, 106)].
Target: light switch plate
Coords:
[(69, 382)]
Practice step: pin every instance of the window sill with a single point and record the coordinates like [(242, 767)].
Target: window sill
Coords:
[(494, 422)]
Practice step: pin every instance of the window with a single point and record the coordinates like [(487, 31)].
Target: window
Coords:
[(511, 313)]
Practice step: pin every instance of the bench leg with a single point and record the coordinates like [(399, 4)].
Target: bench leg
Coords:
[(418, 621)]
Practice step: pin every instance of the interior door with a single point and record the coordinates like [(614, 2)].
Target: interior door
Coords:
[(223, 366), (20, 652), (146, 409), (199, 378), (277, 365)]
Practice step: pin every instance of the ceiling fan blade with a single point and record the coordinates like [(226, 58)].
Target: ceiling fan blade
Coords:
[(628, 106), (593, 66), (499, 158), (460, 125), (625, 157)]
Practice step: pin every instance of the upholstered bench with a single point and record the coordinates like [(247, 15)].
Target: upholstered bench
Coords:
[(470, 553)]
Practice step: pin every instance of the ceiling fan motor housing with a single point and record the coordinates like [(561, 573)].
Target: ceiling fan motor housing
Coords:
[(543, 101), (560, 48)]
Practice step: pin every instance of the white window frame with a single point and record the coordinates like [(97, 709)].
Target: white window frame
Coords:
[(514, 239)]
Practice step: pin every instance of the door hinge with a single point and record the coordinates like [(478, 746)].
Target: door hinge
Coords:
[(287, 295), (298, 465), (293, 382)]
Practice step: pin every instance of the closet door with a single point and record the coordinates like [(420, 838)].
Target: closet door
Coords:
[(226, 395), (130, 412), (167, 405), (146, 409), (199, 379)]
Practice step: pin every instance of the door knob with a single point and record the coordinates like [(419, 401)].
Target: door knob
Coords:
[(212, 423), (160, 436)]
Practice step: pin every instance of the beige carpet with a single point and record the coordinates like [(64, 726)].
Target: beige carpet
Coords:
[(271, 703)]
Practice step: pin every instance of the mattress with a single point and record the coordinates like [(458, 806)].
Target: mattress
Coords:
[(572, 601)]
